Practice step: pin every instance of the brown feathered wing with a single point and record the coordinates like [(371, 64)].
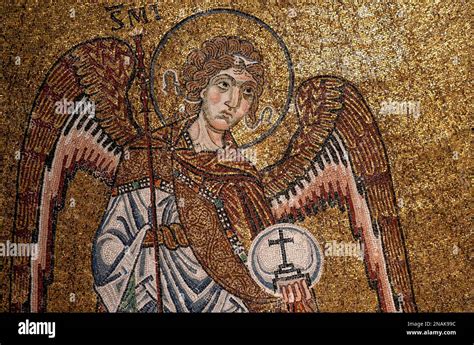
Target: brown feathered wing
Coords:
[(337, 157), (58, 143)]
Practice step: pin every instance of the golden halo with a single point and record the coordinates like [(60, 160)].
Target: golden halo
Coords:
[(170, 56)]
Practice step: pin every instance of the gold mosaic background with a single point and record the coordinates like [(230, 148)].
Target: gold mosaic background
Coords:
[(407, 51)]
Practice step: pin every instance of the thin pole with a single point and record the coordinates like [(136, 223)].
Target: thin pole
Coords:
[(145, 110)]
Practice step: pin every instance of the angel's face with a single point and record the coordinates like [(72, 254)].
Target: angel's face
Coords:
[(228, 98)]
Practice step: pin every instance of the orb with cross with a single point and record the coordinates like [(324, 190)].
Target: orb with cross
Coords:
[(284, 252)]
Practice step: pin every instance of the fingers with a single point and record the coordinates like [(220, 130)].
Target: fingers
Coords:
[(305, 288), (283, 292), (291, 295), (297, 296), (288, 295), (297, 290)]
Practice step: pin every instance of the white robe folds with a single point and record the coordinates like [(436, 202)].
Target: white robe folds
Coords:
[(124, 272)]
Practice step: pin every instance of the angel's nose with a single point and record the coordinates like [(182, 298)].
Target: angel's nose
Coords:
[(234, 98)]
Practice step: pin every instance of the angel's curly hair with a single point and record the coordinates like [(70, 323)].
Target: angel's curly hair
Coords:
[(214, 55)]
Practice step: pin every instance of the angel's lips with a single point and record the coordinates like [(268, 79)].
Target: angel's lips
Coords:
[(225, 115)]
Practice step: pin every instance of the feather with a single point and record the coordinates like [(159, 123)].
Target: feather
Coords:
[(339, 153), (57, 144)]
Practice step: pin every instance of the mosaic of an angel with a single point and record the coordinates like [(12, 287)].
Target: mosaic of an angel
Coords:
[(171, 188)]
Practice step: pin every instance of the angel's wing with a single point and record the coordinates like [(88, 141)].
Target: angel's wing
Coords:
[(62, 137), (337, 157)]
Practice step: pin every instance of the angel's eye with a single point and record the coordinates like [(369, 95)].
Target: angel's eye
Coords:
[(249, 91), (224, 85)]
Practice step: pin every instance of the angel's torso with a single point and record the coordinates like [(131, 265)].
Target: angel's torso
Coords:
[(188, 184)]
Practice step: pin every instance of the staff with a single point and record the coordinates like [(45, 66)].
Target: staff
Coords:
[(145, 110)]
